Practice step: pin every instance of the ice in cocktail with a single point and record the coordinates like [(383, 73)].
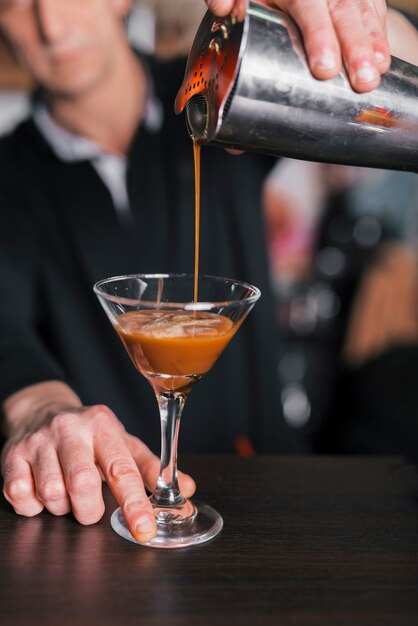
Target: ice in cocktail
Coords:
[(174, 349)]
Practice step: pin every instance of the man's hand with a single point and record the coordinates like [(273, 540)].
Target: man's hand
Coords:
[(56, 459), (335, 32)]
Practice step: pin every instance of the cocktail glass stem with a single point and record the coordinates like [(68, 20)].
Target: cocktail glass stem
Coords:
[(168, 502), (167, 492)]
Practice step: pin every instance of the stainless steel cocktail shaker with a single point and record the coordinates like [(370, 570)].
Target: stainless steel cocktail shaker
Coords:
[(248, 86)]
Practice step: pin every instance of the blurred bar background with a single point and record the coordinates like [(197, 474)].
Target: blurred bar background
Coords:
[(333, 233)]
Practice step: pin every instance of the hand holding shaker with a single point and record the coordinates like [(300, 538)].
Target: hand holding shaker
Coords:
[(248, 86)]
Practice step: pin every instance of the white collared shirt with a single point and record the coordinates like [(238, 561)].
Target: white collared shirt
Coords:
[(71, 148)]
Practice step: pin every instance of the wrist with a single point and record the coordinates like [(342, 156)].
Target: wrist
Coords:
[(35, 405)]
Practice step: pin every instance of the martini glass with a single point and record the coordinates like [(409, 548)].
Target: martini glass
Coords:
[(173, 341)]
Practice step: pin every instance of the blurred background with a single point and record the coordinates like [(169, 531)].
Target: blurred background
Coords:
[(162, 27), (342, 245)]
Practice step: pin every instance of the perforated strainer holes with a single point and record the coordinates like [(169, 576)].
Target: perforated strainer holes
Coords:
[(197, 116), (220, 70), (224, 60), (198, 79)]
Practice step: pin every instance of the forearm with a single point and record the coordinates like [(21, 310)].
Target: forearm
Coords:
[(28, 408)]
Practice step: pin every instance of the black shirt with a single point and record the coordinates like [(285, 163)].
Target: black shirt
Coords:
[(60, 233)]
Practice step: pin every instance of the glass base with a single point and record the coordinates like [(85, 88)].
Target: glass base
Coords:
[(206, 524)]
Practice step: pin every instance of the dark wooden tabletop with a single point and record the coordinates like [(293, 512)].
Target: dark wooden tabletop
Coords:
[(307, 541)]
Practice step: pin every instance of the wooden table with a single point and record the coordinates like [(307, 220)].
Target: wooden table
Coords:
[(307, 541)]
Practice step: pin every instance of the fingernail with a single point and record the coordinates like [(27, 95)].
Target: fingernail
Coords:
[(366, 73), (145, 528), (238, 13), (327, 61), (380, 57)]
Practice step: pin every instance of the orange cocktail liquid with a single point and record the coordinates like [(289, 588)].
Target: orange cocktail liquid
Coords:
[(178, 347)]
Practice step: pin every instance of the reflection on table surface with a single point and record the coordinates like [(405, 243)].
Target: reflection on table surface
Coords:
[(307, 540)]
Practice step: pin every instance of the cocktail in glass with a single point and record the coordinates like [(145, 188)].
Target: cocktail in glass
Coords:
[(173, 341)]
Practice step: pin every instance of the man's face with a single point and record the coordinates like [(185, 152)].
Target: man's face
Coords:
[(67, 45)]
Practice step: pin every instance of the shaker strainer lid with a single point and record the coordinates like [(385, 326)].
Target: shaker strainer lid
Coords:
[(211, 72)]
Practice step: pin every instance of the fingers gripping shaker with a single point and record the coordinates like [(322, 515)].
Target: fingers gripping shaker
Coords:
[(248, 86)]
